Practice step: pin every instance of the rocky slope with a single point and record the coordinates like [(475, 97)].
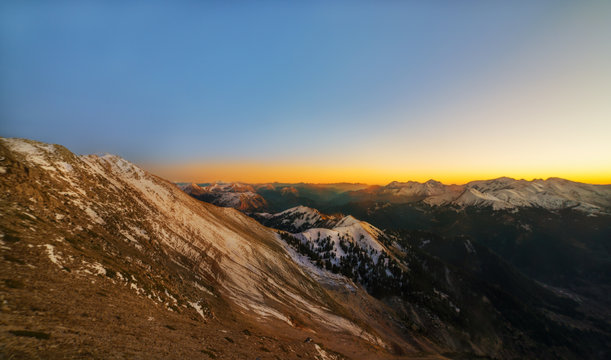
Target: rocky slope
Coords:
[(92, 240), (102, 259)]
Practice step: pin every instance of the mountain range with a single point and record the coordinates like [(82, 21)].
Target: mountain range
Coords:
[(497, 194), (103, 259), (239, 196)]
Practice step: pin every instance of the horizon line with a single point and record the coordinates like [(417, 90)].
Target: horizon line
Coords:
[(380, 176), (199, 183)]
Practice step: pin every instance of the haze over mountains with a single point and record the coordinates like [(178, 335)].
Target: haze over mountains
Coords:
[(501, 193), (100, 257)]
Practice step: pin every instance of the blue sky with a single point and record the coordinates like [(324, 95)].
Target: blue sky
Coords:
[(170, 82)]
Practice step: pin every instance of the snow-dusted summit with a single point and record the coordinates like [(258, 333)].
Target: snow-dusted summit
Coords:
[(340, 243), (501, 193)]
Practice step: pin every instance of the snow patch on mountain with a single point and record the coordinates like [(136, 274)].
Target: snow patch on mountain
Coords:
[(502, 193), (551, 194)]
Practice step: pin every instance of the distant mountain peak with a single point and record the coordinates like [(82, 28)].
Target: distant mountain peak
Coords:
[(502, 193), (237, 195)]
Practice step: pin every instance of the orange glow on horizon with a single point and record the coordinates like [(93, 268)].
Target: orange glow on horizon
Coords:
[(326, 174)]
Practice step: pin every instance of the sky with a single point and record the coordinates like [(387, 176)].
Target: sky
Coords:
[(316, 91)]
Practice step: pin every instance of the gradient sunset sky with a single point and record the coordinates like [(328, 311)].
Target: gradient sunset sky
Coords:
[(315, 91)]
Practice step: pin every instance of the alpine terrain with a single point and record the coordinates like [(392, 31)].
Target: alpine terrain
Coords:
[(101, 259)]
